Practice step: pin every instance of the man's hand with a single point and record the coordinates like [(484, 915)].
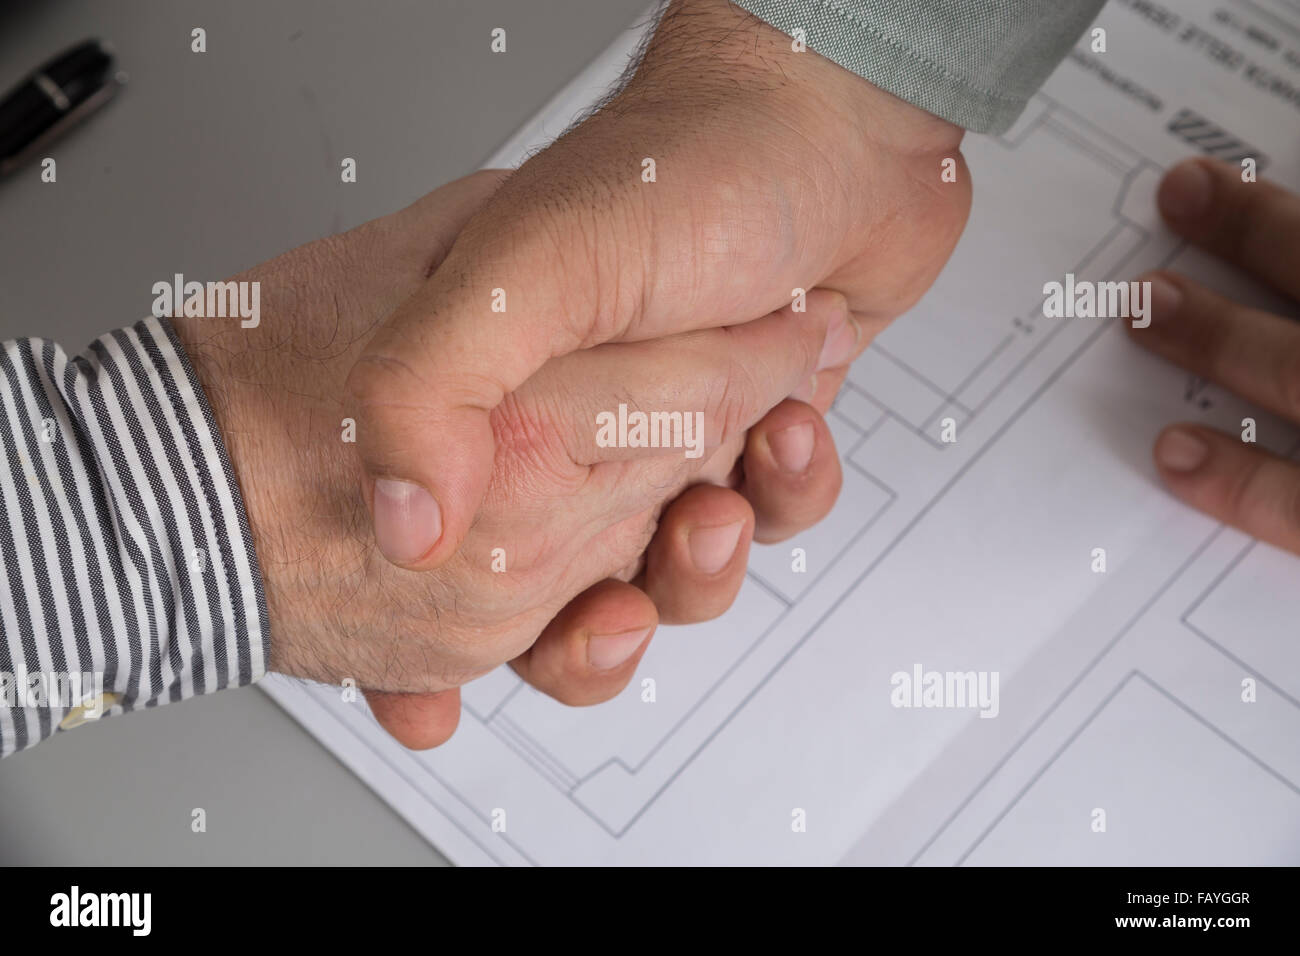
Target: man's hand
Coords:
[(773, 170), (1255, 353), (565, 522)]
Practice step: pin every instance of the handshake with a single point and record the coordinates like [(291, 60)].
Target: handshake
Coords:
[(534, 415)]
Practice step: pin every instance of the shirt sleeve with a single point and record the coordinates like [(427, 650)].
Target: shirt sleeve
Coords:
[(127, 572), (975, 63)]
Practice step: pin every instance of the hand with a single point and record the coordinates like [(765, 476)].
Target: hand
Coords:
[(774, 170), (1255, 353), (567, 514)]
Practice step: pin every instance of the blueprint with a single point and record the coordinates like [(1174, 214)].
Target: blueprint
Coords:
[(1148, 712)]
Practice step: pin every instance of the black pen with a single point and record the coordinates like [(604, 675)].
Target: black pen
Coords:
[(59, 94)]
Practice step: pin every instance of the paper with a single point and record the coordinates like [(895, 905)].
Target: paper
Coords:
[(778, 734)]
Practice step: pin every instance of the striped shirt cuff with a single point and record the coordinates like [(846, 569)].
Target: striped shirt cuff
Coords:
[(127, 570)]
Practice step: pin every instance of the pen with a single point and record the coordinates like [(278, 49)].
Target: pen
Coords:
[(59, 94)]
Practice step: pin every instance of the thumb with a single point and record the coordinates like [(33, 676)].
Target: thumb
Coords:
[(426, 384)]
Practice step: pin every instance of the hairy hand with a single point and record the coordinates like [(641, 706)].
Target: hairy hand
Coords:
[(542, 577), (728, 172)]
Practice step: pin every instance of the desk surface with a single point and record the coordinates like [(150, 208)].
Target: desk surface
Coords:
[(204, 165)]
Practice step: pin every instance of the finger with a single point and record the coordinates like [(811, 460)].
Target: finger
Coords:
[(792, 471), (714, 384), (1254, 353), (1233, 482), (590, 650), (417, 721), (408, 521), (696, 562), (827, 387), (725, 379), (1255, 225), (820, 390)]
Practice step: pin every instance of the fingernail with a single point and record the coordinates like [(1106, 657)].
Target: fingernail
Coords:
[(607, 651), (1164, 301), (792, 447), (1184, 195), (407, 520), (1181, 450), (841, 342), (712, 548), (806, 391)]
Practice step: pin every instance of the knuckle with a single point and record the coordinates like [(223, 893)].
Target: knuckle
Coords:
[(809, 346), (573, 230), (734, 406), (1264, 498), (719, 467), (1236, 213), (532, 456), (638, 531), (658, 479), (559, 243), (1205, 340), (518, 427), (1245, 492), (469, 650), (1243, 211), (371, 379), (629, 572), (624, 542)]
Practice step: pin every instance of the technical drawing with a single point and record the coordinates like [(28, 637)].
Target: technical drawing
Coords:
[(976, 354), (938, 362)]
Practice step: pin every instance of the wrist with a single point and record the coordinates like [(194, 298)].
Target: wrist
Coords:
[(738, 56), (274, 400)]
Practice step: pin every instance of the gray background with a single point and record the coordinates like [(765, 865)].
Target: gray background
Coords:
[(204, 165)]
